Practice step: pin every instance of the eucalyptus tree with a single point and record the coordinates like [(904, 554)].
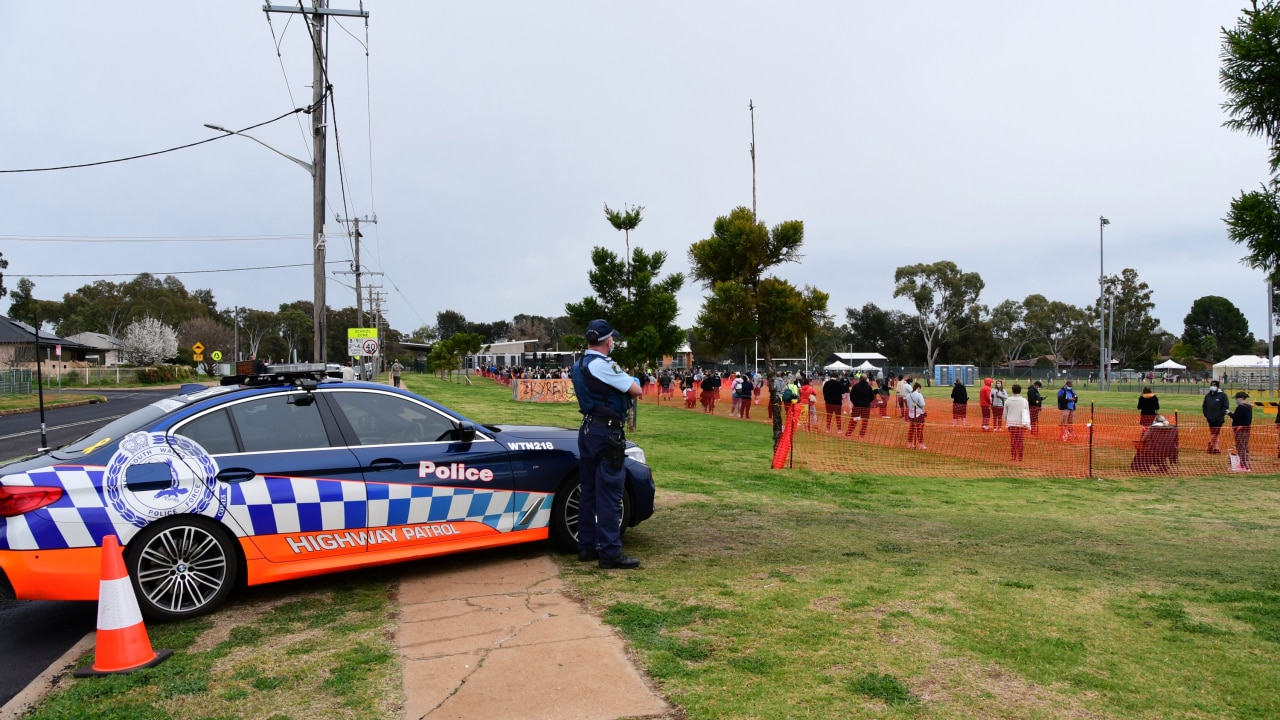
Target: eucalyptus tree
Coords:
[(942, 294), (1056, 324)]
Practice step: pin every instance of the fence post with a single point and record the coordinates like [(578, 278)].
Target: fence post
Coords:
[(1092, 420), (1090, 450)]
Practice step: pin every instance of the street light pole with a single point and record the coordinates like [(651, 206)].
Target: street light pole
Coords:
[(316, 172), (301, 163), (1102, 311), (1271, 346)]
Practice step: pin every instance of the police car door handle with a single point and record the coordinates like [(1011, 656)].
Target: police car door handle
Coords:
[(385, 464), (235, 475)]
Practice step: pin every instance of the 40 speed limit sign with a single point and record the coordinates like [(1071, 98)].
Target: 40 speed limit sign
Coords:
[(369, 346)]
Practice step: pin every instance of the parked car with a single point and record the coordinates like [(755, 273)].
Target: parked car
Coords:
[(283, 474)]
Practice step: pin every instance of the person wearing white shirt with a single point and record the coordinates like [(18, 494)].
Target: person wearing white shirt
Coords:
[(1017, 415)]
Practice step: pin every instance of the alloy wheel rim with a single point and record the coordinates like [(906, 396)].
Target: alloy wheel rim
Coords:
[(571, 511), (182, 569)]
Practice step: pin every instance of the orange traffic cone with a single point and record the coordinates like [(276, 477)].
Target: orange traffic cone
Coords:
[(122, 645)]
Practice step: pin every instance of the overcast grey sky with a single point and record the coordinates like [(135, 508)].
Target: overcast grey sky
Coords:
[(487, 136)]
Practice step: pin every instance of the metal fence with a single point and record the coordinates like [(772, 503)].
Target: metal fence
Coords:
[(17, 382), (22, 382)]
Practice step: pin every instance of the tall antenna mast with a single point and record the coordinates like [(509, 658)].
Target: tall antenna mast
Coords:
[(751, 107)]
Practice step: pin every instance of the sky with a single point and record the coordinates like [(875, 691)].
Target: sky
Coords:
[(487, 137)]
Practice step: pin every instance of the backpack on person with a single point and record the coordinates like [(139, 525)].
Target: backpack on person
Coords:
[(789, 394)]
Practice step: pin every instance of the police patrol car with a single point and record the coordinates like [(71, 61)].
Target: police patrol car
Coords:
[(282, 473)]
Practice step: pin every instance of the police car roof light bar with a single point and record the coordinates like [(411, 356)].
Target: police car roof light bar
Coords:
[(255, 372)]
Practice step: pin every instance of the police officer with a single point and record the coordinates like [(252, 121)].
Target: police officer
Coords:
[(604, 394)]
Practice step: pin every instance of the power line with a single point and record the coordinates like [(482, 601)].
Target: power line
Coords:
[(284, 73), (148, 238), (151, 154), (181, 272)]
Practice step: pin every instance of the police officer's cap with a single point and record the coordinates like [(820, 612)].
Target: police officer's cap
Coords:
[(598, 330)]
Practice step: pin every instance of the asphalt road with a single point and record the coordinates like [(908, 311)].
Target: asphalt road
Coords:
[(20, 433), (33, 634)]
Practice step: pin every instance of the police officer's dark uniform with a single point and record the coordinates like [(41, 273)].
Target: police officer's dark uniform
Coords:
[(604, 394)]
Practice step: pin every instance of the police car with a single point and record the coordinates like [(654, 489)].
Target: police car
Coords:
[(283, 473)]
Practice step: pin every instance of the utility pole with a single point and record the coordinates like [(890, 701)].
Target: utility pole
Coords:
[(317, 18), (752, 108), (355, 268), (376, 298)]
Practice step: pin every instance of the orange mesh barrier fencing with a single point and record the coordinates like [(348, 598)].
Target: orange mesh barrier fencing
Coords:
[(501, 380), (1106, 443), (1096, 442)]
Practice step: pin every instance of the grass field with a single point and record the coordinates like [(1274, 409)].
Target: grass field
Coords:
[(784, 594), (795, 594)]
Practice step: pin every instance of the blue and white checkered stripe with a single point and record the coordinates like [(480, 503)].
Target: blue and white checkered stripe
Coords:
[(80, 518), (395, 504), (268, 505), (273, 504)]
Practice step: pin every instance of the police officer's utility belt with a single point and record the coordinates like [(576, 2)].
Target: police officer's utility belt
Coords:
[(589, 420)]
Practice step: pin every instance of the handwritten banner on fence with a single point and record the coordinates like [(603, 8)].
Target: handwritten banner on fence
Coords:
[(549, 391)]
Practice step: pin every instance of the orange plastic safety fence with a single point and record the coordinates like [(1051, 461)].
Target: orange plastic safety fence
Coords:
[(1114, 444), (494, 377), (1091, 442)]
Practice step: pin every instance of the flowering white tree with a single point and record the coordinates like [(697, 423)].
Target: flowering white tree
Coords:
[(148, 341)]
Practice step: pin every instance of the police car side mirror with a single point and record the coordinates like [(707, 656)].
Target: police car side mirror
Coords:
[(466, 433)]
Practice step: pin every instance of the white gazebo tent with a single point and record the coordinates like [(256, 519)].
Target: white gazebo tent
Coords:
[(1170, 365), (1246, 369), (838, 366), (866, 366)]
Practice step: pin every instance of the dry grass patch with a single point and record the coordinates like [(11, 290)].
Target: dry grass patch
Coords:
[(295, 650)]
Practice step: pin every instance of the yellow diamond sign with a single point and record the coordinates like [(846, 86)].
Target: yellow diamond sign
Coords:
[(197, 348)]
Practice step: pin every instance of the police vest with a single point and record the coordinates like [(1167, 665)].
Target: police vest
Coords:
[(596, 397)]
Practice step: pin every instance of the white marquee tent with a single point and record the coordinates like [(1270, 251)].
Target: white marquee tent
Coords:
[(1170, 365), (837, 366), (1244, 368)]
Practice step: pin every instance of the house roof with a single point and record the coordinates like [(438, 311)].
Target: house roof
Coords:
[(15, 331), (97, 341)]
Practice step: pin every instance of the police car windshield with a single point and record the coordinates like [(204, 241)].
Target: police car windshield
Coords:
[(119, 427)]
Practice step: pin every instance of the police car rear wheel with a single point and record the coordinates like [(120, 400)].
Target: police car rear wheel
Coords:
[(181, 568), (564, 514)]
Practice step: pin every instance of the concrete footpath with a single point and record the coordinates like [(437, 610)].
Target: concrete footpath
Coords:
[(500, 638)]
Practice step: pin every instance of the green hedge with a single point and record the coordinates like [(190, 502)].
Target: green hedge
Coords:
[(164, 374)]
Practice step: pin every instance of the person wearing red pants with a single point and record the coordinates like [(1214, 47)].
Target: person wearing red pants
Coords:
[(1017, 415), (1241, 422), (915, 418)]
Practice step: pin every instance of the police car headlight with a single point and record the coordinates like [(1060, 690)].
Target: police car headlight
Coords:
[(635, 453)]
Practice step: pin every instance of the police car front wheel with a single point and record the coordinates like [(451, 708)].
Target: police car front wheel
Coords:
[(181, 568), (564, 514)]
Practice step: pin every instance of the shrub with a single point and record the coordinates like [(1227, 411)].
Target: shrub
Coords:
[(164, 374)]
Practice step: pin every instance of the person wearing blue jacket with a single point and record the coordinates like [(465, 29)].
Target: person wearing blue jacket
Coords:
[(1067, 399)]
